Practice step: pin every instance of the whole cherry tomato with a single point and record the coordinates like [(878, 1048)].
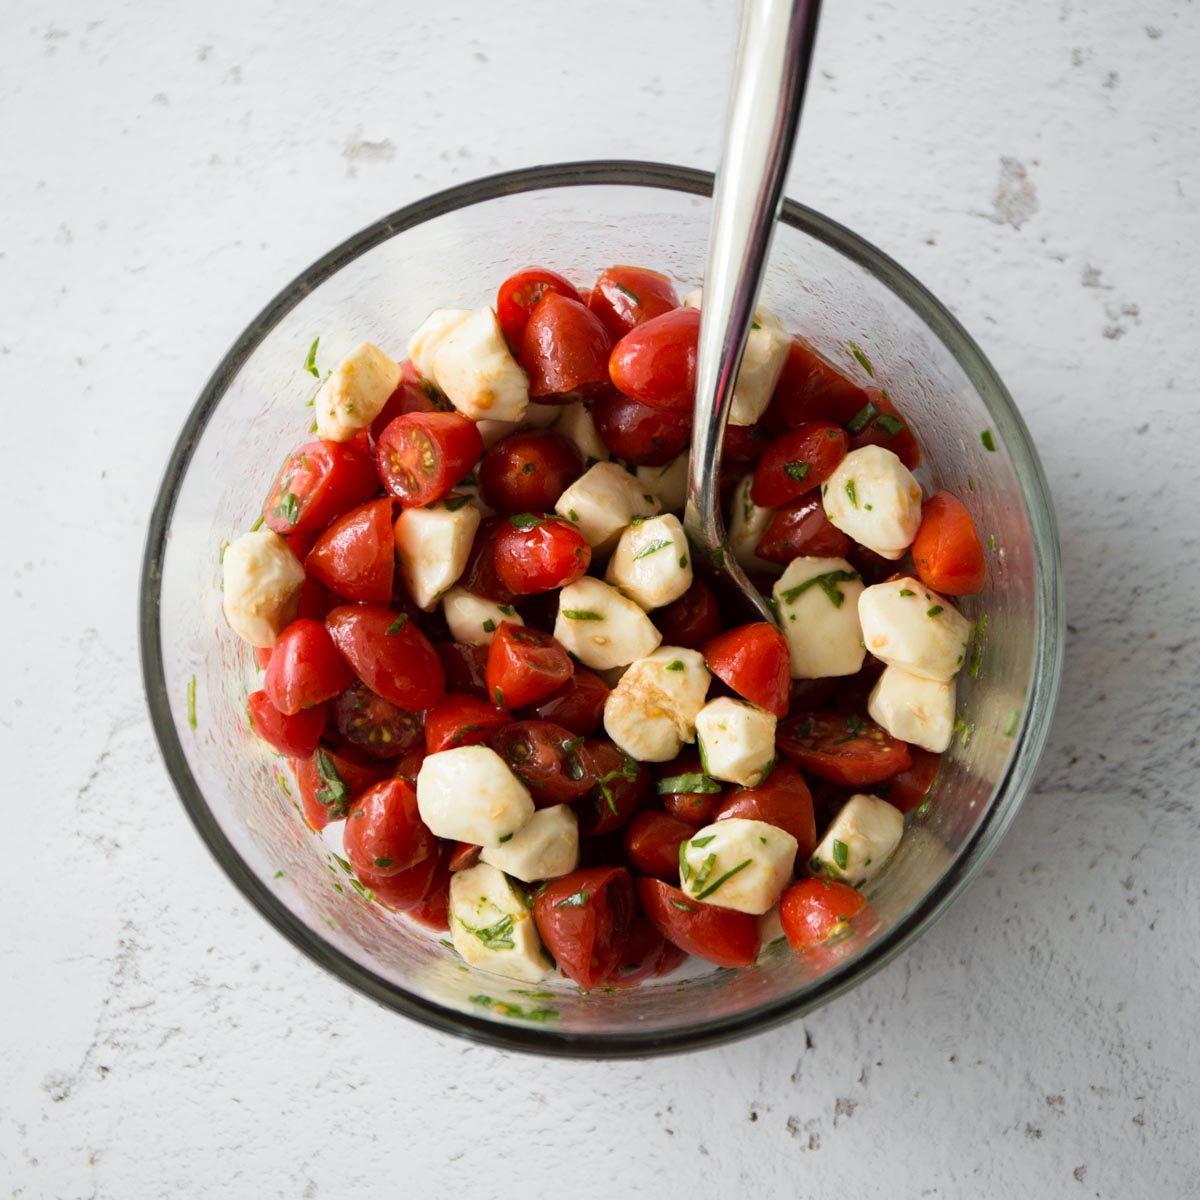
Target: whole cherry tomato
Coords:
[(625, 297), (534, 553), (811, 388), (356, 555), (691, 620), (685, 791), (461, 720), (432, 911), (319, 482), (329, 782), (384, 832), (389, 654), (422, 455), (798, 461), (404, 891), (717, 935), (305, 668), (479, 575), (802, 528), (578, 705), (754, 660), (637, 433), (647, 956), (621, 786), (652, 841), (524, 665), (947, 552), (909, 788), (295, 736), (564, 349), (465, 668), (813, 910), (585, 919), (656, 362), (528, 471), (842, 748)]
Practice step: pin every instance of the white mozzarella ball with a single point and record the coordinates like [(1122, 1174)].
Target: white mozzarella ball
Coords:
[(816, 604), (355, 393), (575, 422), (738, 864), (547, 847), (474, 619), (914, 709), (424, 344), (652, 563), (468, 794), (747, 523), (432, 547), (262, 582), (873, 498), (492, 927), (906, 625), (601, 627), (736, 740), (602, 501), (859, 841), (667, 484), (652, 710), (473, 366)]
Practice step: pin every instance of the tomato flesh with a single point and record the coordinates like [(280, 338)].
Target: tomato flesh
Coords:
[(405, 890), (329, 782), (813, 910), (389, 654), (356, 555), (465, 668), (647, 955), (319, 482), (696, 807), (535, 553), (782, 800), (842, 748), (585, 919), (798, 461), (527, 472), (625, 297), (885, 426), (621, 786), (541, 755), (692, 620), (432, 911), (755, 662), (656, 362), (801, 528), (909, 788), (524, 665), (422, 455), (374, 726), (295, 735), (947, 551), (384, 832), (639, 434), (519, 295), (461, 720), (717, 935), (479, 574), (652, 840), (564, 348), (811, 388), (578, 705)]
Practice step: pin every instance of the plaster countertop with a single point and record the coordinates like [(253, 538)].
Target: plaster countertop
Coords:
[(166, 170)]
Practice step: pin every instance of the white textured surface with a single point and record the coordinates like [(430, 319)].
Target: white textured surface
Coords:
[(165, 170)]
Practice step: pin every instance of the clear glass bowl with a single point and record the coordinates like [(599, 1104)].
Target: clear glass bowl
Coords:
[(453, 249)]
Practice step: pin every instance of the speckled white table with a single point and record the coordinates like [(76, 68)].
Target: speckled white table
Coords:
[(165, 169)]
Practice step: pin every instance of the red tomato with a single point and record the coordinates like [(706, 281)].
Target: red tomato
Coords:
[(564, 348), (356, 555), (405, 891), (873, 568), (465, 668), (459, 720), (909, 788), (384, 832), (413, 394), (524, 665), (811, 388), (637, 433), (621, 785), (262, 657), (536, 553), (464, 856), (542, 755), (783, 800), (409, 766), (685, 770), (813, 910), (744, 445), (479, 575), (315, 599), (656, 362), (755, 661), (802, 528), (947, 552), (691, 620), (585, 918), (421, 456), (717, 935), (578, 705), (295, 736), (625, 297), (798, 461), (652, 841), (808, 695), (527, 472), (519, 295), (880, 423), (375, 726), (389, 654), (432, 911), (328, 784), (647, 956), (320, 481), (305, 668), (843, 749)]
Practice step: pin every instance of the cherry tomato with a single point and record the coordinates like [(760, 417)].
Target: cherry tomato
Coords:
[(808, 695), (850, 692), (621, 785), (315, 599), (460, 720), (524, 665), (691, 620), (319, 482), (542, 755), (798, 461), (389, 654), (755, 662), (947, 552), (886, 427), (813, 910), (585, 919), (625, 297), (637, 433), (464, 856), (535, 553), (413, 394), (305, 668), (744, 445), (652, 841), (465, 668), (802, 528), (409, 766), (842, 749), (873, 568), (695, 807), (375, 726), (404, 891), (262, 657), (717, 935), (578, 705), (421, 456), (564, 348), (519, 295), (909, 788), (811, 388), (432, 911), (783, 800), (356, 555), (656, 362), (479, 575), (328, 783), (294, 735), (647, 956), (384, 832), (528, 471)]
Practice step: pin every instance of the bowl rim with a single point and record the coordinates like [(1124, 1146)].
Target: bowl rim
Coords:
[(1006, 797)]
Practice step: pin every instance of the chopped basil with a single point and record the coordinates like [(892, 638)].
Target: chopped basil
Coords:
[(907, 592), (497, 936), (332, 792), (525, 520), (581, 614), (718, 556), (1011, 727), (797, 471), (889, 424), (454, 503), (191, 701), (682, 561), (827, 583), (397, 624), (989, 442), (383, 862), (575, 900), (572, 514), (632, 295), (657, 544), (970, 484), (507, 610), (515, 1010), (701, 842), (489, 626), (992, 542), (288, 508), (499, 697), (863, 360), (976, 660), (855, 724), (841, 854), (935, 611), (685, 785), (529, 468), (676, 664), (708, 891), (462, 731), (277, 875), (679, 904), (506, 838), (851, 492), (862, 418), (310, 363)]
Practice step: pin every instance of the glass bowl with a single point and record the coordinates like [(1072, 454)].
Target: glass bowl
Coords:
[(453, 249)]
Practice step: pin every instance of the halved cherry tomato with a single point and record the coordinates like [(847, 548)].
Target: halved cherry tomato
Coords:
[(528, 471), (578, 705), (744, 445), (802, 528), (541, 754), (305, 668), (647, 956), (465, 668), (842, 748), (329, 782), (464, 856), (389, 654), (637, 433), (384, 832), (947, 552), (409, 766), (685, 770), (811, 388), (755, 661), (519, 295), (432, 911), (295, 736), (413, 394), (909, 788), (783, 800), (798, 461), (717, 935), (479, 575), (625, 297), (691, 620), (535, 553), (320, 481), (621, 785), (564, 348), (356, 555), (881, 424), (524, 665), (262, 657), (315, 599), (652, 841), (656, 362), (585, 919), (422, 455), (460, 720), (813, 910), (375, 726), (404, 891)]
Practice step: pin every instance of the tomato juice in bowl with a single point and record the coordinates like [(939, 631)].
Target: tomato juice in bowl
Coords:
[(453, 250)]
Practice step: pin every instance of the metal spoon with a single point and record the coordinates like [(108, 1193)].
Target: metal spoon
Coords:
[(774, 53)]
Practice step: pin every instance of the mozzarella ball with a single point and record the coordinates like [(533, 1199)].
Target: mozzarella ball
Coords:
[(424, 344), (492, 927), (602, 501), (652, 563), (601, 627), (652, 710), (468, 794), (816, 604), (548, 846), (906, 625), (262, 582), (859, 841), (355, 393), (667, 484), (474, 619), (575, 422), (473, 366), (914, 709), (736, 740), (738, 864), (747, 523), (432, 547), (873, 498)]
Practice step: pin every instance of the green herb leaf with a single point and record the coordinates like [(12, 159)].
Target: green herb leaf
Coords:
[(497, 936), (862, 418), (454, 503), (499, 697), (310, 363), (1011, 726), (701, 842), (851, 492), (936, 610), (506, 838), (397, 624), (989, 442), (797, 471), (507, 610), (889, 424), (675, 665), (257, 524), (191, 701), (827, 583), (976, 661), (863, 360), (504, 1008), (525, 520), (581, 614), (679, 904), (841, 854), (907, 592), (683, 561), (686, 785), (332, 792), (489, 626), (575, 900), (708, 891), (632, 295), (657, 544), (383, 863)]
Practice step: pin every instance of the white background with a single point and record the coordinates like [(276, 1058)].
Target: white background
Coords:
[(164, 169)]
